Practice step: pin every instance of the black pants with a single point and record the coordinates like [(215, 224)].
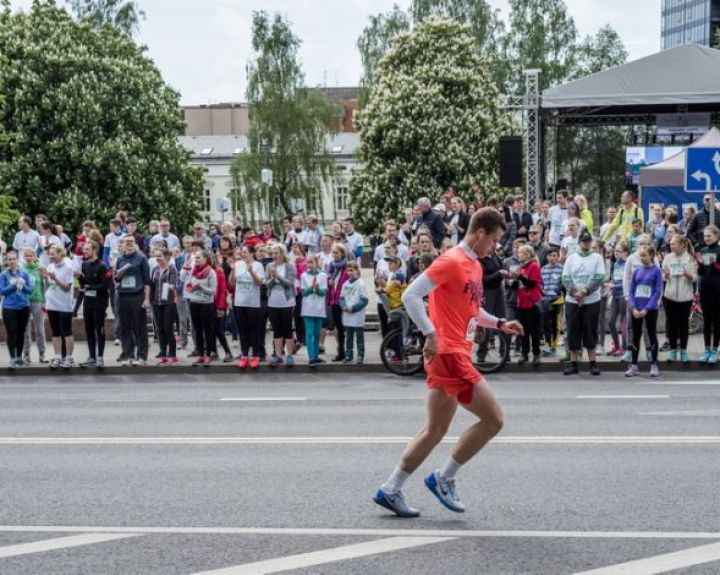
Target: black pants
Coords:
[(247, 320), (677, 322), (383, 317), (550, 323), (530, 320), (651, 324), (94, 331), (220, 326), (710, 302), (339, 329), (165, 316), (260, 336), (15, 321), (133, 326), (202, 316), (299, 323), (281, 320)]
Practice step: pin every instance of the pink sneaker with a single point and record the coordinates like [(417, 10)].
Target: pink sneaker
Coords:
[(243, 363), (654, 371), (172, 361), (632, 371), (199, 361), (162, 361), (254, 363)]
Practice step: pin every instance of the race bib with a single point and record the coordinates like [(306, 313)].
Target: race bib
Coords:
[(619, 275), (557, 228), (709, 259), (128, 282), (245, 286), (642, 291), (581, 280), (90, 293), (677, 269)]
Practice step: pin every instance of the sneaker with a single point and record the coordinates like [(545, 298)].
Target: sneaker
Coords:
[(162, 361), (524, 359), (654, 371), (600, 350), (665, 346), (360, 360), (90, 362), (536, 360), (275, 361), (207, 360), (12, 364), (289, 361), (684, 357), (67, 363), (632, 371), (396, 503), (627, 356), (704, 356), (199, 360), (54, 363), (243, 363), (26, 360), (339, 357), (20, 362), (171, 361), (214, 355), (348, 359), (713, 357), (444, 490), (116, 342), (139, 362), (313, 363), (228, 358), (672, 356), (42, 358), (594, 369), (571, 369), (100, 363), (549, 352), (254, 362), (126, 362)]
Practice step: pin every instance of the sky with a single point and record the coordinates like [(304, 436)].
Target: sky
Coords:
[(202, 46)]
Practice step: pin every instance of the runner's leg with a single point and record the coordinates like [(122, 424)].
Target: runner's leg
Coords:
[(486, 407)]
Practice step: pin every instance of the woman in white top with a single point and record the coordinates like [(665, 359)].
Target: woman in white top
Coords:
[(59, 305), (48, 237), (313, 286), (280, 284), (247, 277)]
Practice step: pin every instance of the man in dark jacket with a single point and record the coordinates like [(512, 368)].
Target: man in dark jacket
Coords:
[(700, 221), (434, 221)]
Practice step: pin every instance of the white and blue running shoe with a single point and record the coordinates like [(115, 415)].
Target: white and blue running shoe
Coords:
[(444, 490), (395, 502)]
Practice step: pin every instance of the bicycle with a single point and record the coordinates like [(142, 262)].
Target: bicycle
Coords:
[(401, 350), (696, 315)]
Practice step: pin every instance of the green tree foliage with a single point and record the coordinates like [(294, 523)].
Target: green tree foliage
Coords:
[(288, 127), (8, 213), (432, 120), (124, 15), (95, 127)]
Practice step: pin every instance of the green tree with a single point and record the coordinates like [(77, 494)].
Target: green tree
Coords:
[(95, 128), (288, 127), (542, 35), (125, 15), (432, 120), (8, 213)]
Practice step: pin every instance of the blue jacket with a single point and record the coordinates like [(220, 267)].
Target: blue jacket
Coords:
[(15, 298), (646, 288)]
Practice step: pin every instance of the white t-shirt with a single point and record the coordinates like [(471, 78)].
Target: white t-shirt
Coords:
[(353, 292), (353, 242), (558, 216), (325, 260), (582, 271), (402, 251), (28, 239), (313, 305), (112, 243), (55, 298), (570, 244), (171, 240), (247, 292)]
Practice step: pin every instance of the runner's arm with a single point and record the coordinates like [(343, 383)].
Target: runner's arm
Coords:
[(414, 304)]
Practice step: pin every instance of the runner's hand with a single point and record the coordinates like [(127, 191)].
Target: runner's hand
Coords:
[(430, 348), (512, 328)]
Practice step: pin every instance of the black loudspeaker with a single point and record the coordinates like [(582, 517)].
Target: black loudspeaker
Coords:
[(511, 161)]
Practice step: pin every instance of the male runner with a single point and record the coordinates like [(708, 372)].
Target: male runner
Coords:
[(454, 283)]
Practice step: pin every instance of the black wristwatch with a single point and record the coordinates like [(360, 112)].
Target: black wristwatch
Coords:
[(500, 323)]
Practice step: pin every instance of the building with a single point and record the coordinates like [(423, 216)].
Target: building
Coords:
[(689, 22), (216, 154)]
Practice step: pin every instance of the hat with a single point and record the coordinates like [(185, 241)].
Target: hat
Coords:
[(585, 237)]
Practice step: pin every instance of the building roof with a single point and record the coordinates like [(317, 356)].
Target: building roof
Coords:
[(684, 75), (343, 144), (341, 92), (671, 172)]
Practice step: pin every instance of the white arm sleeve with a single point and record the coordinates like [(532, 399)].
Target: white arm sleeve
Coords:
[(414, 304), (487, 320)]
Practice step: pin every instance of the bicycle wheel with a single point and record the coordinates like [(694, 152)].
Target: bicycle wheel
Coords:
[(402, 355), (490, 352)]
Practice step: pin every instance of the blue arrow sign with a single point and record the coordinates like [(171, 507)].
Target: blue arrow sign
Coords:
[(702, 169)]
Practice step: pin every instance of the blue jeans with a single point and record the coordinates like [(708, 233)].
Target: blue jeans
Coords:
[(312, 335)]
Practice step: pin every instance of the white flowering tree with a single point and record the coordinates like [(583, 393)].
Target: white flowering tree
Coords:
[(432, 120), (95, 128)]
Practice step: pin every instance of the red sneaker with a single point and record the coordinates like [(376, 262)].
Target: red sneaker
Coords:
[(200, 360), (243, 363), (162, 361), (172, 361), (207, 360), (254, 363)]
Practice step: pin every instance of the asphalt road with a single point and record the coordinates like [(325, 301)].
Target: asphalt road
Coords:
[(187, 474)]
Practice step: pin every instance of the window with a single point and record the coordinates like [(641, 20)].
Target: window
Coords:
[(206, 201), (341, 198), (206, 151), (337, 150)]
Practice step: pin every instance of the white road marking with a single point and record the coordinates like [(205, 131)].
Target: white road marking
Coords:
[(703, 413), (61, 543), (327, 556), (622, 397), (263, 399), (662, 563), (369, 440), (676, 382), (328, 531)]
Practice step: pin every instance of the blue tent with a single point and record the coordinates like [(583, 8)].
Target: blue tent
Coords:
[(664, 183)]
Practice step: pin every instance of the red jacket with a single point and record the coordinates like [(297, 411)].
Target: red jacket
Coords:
[(221, 291), (530, 280)]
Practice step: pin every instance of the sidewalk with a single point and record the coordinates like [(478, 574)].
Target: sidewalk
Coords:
[(372, 363)]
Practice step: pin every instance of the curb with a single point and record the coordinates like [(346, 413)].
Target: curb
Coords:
[(555, 367)]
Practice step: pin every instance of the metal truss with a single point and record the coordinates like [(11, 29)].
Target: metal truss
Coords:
[(533, 135)]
